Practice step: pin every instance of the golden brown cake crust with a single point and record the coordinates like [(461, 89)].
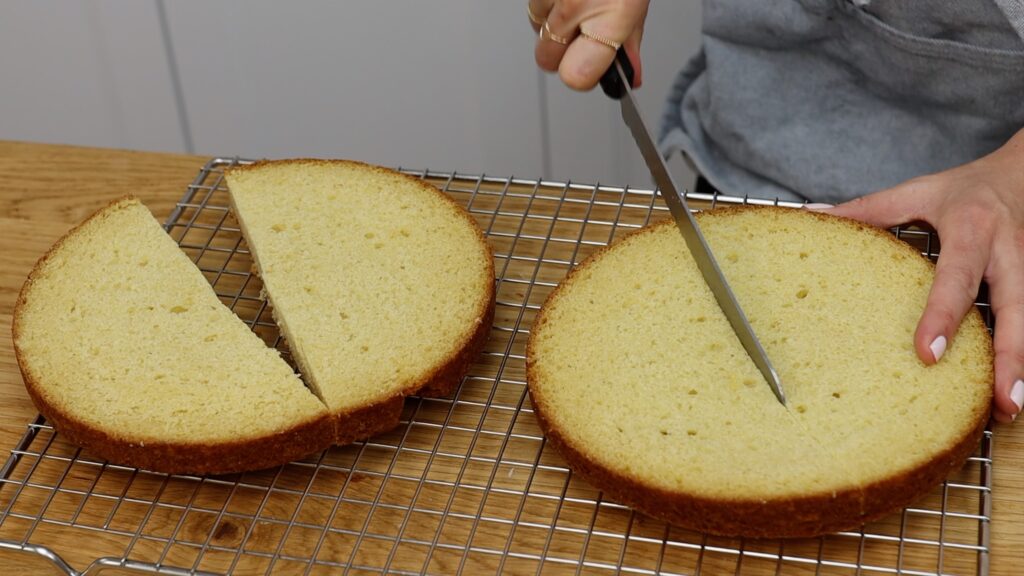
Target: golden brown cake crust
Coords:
[(385, 414), (196, 458), (807, 516), (188, 458)]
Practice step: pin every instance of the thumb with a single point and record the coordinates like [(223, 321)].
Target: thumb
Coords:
[(886, 208), (632, 47)]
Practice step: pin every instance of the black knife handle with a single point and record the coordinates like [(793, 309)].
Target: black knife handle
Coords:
[(611, 82)]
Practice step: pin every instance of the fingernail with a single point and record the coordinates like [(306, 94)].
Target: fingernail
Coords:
[(938, 347), (1017, 395), (818, 206)]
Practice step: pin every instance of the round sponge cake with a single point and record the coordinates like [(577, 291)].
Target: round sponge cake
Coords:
[(639, 381)]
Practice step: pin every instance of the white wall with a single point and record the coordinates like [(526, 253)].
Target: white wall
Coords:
[(449, 85), (92, 73)]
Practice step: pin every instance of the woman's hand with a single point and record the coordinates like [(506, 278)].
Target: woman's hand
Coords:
[(978, 211), (578, 38)]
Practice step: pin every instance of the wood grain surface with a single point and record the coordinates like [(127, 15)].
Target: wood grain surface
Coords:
[(46, 189)]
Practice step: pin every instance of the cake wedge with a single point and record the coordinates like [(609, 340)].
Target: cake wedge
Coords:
[(126, 349)]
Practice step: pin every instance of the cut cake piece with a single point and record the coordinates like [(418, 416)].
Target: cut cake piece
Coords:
[(126, 349), (382, 285), (639, 381)]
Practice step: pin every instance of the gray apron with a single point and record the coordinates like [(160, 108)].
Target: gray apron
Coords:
[(826, 100)]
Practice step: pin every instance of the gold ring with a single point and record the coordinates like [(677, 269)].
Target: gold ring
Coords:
[(546, 33), (600, 39), (533, 17)]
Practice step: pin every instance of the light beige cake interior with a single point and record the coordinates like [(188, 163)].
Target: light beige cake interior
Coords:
[(633, 364), (378, 281), (120, 333)]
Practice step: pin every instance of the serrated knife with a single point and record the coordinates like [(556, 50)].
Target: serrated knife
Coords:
[(617, 83)]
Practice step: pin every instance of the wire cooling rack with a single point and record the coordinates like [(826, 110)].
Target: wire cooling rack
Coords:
[(465, 484)]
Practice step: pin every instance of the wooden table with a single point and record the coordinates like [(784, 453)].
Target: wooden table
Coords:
[(45, 189)]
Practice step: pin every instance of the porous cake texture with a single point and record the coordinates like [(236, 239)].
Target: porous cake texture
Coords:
[(639, 381), (126, 349), (382, 285)]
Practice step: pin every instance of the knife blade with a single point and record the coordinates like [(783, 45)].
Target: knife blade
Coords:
[(616, 83)]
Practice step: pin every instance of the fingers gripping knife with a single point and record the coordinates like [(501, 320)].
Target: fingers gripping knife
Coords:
[(616, 83)]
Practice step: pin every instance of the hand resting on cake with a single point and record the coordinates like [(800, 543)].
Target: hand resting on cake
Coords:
[(978, 211)]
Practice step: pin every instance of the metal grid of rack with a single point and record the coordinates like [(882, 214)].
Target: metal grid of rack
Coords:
[(465, 484)]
